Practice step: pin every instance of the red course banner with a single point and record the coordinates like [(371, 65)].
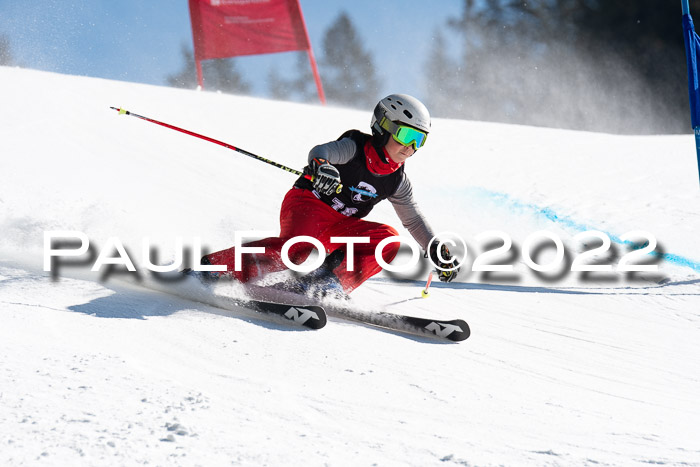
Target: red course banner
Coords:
[(229, 28)]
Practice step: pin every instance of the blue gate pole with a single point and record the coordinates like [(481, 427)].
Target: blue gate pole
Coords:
[(692, 78)]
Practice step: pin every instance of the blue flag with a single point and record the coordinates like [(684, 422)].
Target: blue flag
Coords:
[(692, 50)]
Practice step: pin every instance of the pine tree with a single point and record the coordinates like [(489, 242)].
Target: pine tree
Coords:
[(304, 86), (442, 80), (277, 86), (301, 87), (187, 77), (5, 51), (219, 75), (585, 64), (347, 70)]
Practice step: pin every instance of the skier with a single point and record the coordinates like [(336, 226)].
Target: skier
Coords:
[(343, 181)]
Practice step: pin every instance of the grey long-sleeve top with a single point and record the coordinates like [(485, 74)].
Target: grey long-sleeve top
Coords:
[(342, 151)]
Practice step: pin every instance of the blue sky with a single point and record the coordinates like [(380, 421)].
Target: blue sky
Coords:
[(140, 40)]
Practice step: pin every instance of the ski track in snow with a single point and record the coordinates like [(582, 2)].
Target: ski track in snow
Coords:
[(97, 371)]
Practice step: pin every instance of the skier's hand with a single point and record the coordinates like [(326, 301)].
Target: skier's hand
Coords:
[(444, 260), (326, 178)]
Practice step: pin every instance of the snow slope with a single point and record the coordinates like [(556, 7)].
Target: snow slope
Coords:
[(561, 369)]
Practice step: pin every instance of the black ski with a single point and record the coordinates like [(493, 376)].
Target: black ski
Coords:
[(453, 330), (299, 312), (310, 316), (306, 311)]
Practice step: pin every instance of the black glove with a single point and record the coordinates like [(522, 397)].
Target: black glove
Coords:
[(448, 263), (324, 176)]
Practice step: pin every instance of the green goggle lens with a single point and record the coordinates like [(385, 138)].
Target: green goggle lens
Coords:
[(410, 136), (406, 135)]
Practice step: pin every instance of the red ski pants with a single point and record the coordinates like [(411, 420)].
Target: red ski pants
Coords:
[(304, 214)]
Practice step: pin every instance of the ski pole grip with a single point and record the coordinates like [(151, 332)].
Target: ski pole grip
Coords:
[(311, 179)]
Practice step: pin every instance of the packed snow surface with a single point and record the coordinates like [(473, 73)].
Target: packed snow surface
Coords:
[(562, 367)]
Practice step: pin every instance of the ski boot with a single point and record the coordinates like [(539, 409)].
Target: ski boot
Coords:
[(205, 277), (321, 282)]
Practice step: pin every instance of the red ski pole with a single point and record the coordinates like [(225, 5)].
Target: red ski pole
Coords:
[(212, 140), (424, 293)]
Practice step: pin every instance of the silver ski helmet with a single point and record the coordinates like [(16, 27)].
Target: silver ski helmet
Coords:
[(397, 109)]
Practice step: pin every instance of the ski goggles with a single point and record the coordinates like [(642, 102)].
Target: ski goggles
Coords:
[(405, 135)]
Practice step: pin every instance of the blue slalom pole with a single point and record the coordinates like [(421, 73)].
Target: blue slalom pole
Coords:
[(692, 50)]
